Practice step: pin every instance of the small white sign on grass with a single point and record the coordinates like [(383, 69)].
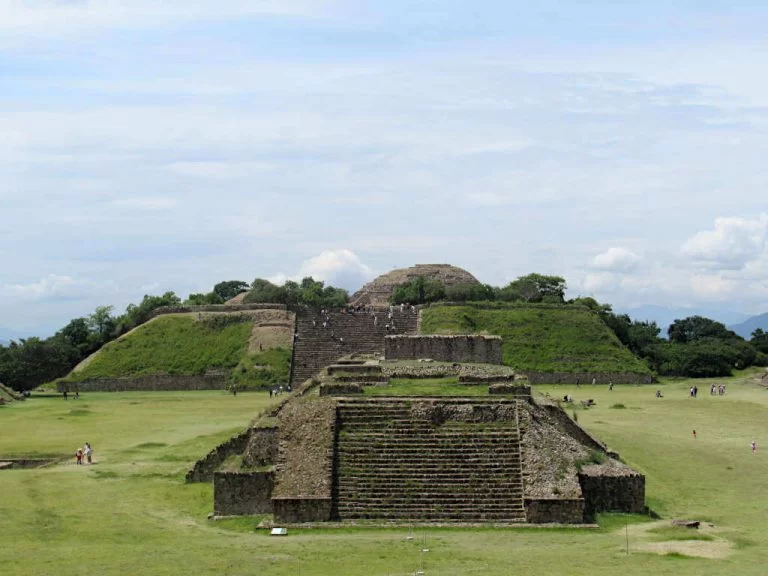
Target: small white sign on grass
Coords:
[(279, 532)]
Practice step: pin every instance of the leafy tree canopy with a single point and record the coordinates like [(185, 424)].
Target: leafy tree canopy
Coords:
[(419, 291), (229, 289), (535, 288), (695, 328)]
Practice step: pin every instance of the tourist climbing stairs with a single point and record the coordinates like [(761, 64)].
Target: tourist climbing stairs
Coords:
[(391, 464)]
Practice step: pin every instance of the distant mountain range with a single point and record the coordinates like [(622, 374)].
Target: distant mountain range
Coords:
[(745, 329)]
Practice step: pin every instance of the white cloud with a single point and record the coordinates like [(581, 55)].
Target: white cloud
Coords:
[(219, 170), (732, 243), (616, 259), (146, 203), (52, 287), (599, 282), (52, 16), (338, 267), (711, 286), (341, 268)]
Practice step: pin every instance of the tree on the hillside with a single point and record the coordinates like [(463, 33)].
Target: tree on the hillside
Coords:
[(420, 290), (760, 340), (470, 293), (101, 321), (264, 291), (695, 328), (136, 314), (78, 334), (203, 299), (309, 293), (642, 336), (229, 289), (26, 364), (535, 288)]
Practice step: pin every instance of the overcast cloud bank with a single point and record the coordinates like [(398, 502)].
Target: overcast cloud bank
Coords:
[(173, 145)]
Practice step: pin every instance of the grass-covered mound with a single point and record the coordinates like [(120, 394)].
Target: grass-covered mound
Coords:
[(542, 338), (186, 345)]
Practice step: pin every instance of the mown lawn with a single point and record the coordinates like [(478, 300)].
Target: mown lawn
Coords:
[(542, 338), (131, 513), (427, 387)]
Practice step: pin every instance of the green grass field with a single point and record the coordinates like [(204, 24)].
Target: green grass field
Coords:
[(543, 338), (131, 513), (426, 387), (184, 345)]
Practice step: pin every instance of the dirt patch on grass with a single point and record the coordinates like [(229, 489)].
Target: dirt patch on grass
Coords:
[(704, 542)]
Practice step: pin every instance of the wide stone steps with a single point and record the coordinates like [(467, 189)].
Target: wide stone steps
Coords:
[(440, 514), (392, 464), (388, 491)]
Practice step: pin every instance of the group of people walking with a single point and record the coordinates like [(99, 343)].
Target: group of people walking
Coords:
[(279, 390), (84, 455)]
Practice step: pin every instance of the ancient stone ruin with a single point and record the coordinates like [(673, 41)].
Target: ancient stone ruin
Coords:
[(331, 452), (345, 446), (378, 291)]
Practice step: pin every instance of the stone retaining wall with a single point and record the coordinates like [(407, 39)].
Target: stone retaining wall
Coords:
[(215, 308), (509, 389), (204, 468), (340, 388), (305, 449), (554, 511), (299, 510), (612, 493), (573, 429), (261, 449), (242, 493), (460, 348), (585, 378), (146, 383)]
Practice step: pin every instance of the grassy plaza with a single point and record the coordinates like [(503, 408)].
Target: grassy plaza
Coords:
[(131, 512)]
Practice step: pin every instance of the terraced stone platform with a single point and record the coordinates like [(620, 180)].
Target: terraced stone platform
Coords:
[(317, 347), (444, 460)]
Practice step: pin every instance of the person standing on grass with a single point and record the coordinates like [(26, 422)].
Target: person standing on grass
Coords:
[(88, 453), (79, 457), (694, 434), (754, 447)]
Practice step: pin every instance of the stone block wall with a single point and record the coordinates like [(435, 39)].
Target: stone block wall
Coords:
[(242, 493), (299, 510), (554, 511), (340, 388), (461, 348), (261, 449), (573, 428), (508, 388), (204, 468), (612, 493), (305, 449), (215, 308), (147, 383)]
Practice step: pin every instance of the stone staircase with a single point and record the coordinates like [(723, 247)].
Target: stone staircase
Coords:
[(391, 464), (316, 347)]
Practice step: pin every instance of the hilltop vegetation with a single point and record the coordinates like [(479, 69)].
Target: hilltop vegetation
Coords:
[(184, 345), (544, 338)]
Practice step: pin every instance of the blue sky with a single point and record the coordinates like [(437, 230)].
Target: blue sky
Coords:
[(149, 146)]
